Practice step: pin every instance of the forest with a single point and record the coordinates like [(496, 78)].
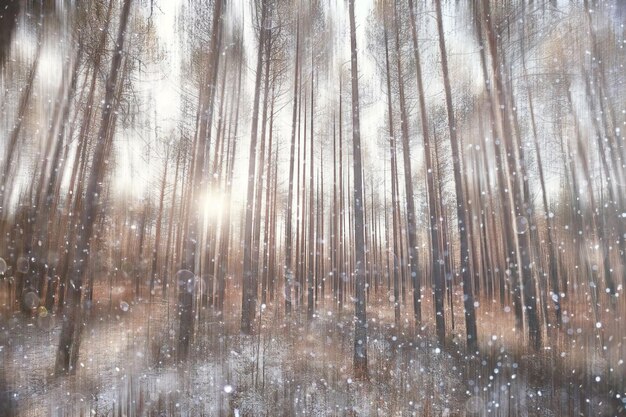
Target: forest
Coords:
[(312, 208)]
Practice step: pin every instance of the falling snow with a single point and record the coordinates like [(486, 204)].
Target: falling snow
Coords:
[(278, 208)]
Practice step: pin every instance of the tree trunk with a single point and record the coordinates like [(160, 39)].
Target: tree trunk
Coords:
[(311, 243), (192, 213), (69, 341), (360, 326), (394, 201), (249, 285), (468, 296), (408, 183)]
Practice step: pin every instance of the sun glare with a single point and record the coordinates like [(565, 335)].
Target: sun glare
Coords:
[(213, 205)]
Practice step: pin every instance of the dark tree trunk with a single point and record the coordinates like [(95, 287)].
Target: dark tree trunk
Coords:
[(249, 287), (468, 296), (394, 201), (69, 341), (191, 222), (360, 326), (436, 262), (311, 242), (408, 183)]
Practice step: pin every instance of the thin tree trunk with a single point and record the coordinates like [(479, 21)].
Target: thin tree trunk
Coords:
[(408, 183), (360, 325), (436, 261), (170, 226), (394, 201), (157, 237), (468, 296), (268, 200), (249, 287), (311, 243)]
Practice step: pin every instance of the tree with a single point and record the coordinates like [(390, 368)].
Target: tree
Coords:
[(69, 341), (436, 261), (408, 181), (250, 279), (468, 296), (360, 326), (192, 218), (289, 274)]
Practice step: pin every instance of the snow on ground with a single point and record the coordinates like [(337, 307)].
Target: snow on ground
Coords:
[(127, 367)]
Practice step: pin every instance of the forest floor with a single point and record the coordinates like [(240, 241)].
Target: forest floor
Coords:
[(127, 367)]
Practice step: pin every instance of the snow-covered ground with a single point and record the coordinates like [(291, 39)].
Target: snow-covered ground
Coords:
[(128, 367)]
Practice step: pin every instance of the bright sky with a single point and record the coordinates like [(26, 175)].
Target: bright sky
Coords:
[(158, 86)]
